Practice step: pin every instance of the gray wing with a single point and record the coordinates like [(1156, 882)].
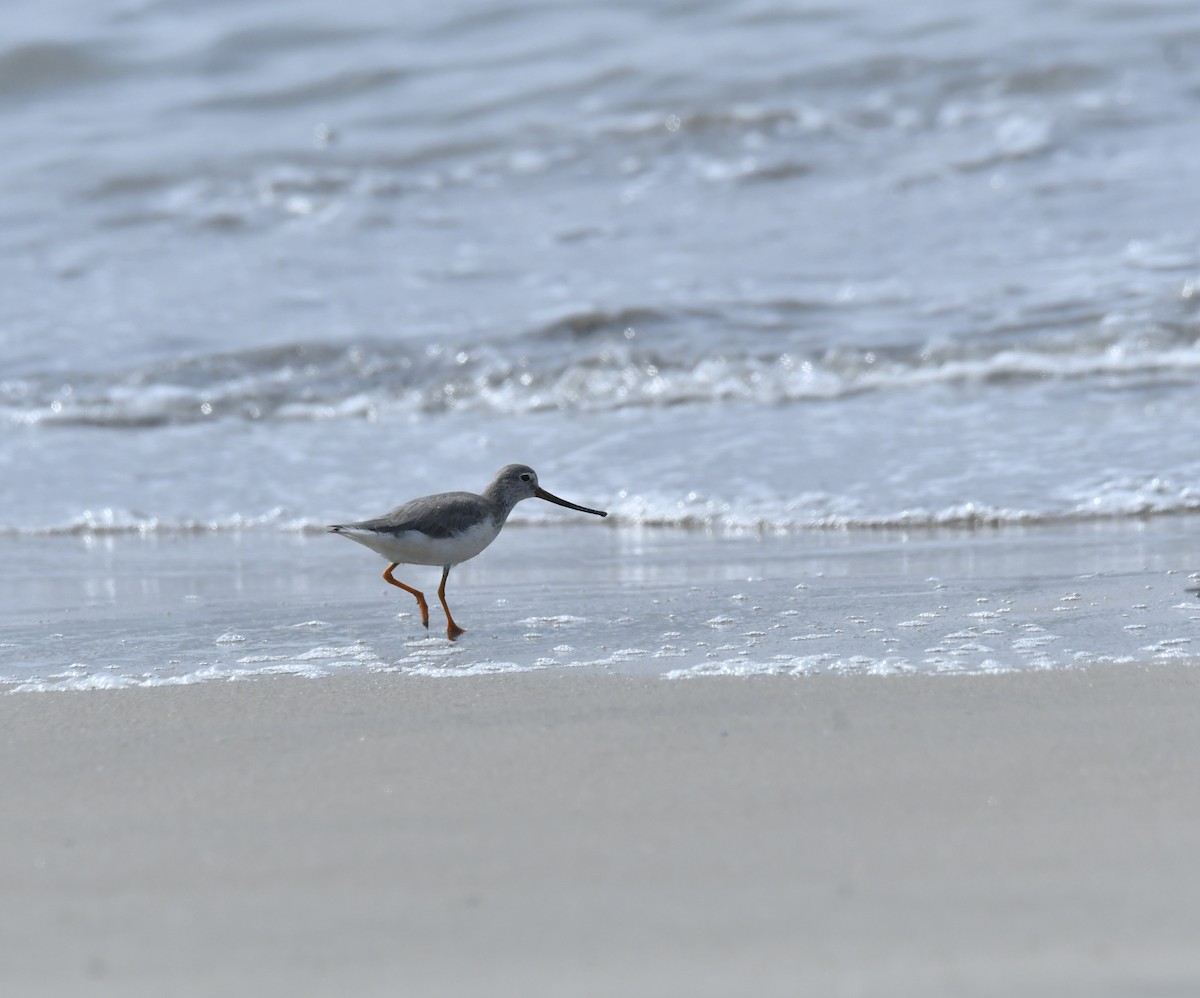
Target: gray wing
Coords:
[(440, 516)]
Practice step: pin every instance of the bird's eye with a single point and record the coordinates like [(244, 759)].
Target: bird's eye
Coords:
[(526, 477)]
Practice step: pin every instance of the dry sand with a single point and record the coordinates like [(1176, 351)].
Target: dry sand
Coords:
[(568, 832)]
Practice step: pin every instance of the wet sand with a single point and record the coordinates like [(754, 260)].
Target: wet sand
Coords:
[(567, 832)]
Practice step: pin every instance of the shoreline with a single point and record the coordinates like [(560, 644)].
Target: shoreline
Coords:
[(576, 832), (132, 612)]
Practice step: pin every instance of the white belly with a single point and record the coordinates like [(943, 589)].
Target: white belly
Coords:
[(415, 548)]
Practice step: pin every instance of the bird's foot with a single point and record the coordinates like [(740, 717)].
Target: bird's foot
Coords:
[(453, 631)]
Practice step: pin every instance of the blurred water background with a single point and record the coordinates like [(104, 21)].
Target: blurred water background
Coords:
[(753, 265)]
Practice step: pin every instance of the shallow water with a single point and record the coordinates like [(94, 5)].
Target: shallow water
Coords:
[(116, 612)]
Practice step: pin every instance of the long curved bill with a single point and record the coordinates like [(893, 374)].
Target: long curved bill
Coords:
[(543, 494)]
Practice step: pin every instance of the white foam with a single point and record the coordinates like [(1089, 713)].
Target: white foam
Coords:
[(466, 671)]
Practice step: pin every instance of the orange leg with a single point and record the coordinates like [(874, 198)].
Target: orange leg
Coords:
[(452, 629), (387, 574)]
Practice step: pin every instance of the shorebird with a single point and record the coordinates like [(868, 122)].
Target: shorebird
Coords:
[(447, 529)]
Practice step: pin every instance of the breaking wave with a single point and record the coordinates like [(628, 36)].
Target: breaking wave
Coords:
[(1113, 500), (588, 361)]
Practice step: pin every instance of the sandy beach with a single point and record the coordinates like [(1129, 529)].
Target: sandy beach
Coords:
[(672, 765), (874, 330), (552, 834)]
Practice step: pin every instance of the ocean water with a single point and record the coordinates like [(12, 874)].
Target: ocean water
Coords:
[(787, 268), (766, 265)]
